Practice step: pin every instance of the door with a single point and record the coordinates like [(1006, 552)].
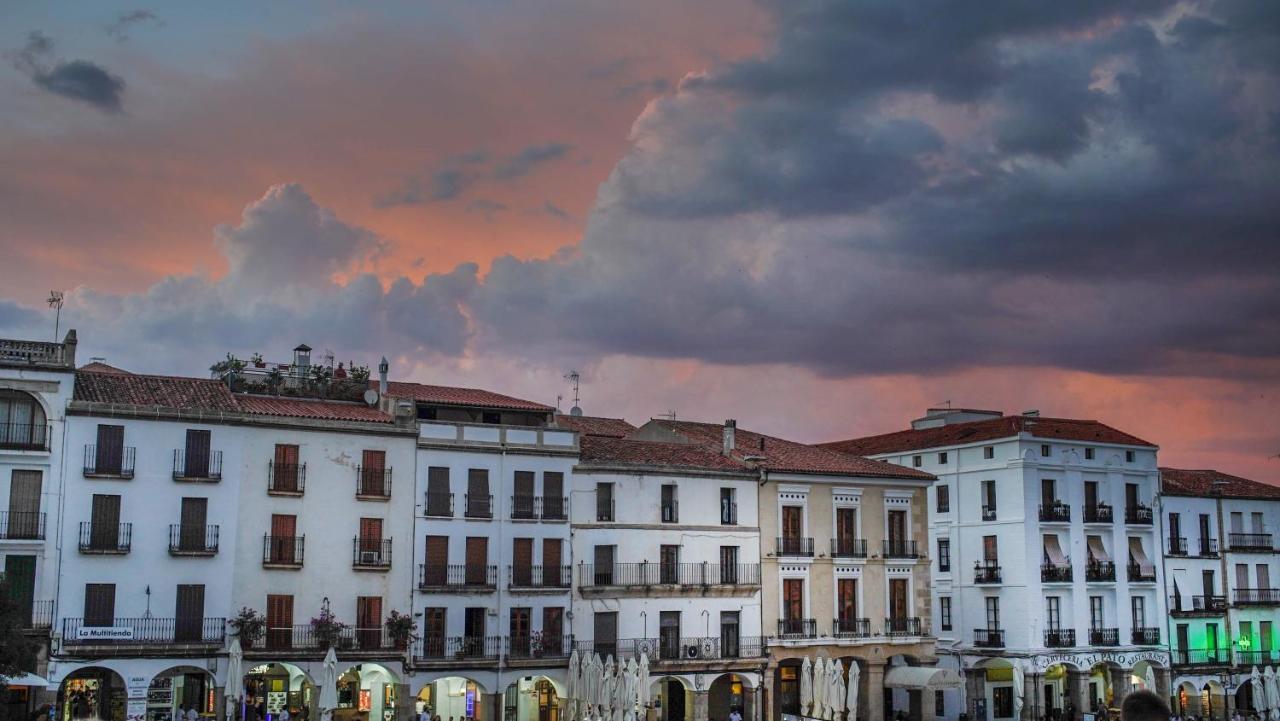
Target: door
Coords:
[(668, 565), (479, 502), (1183, 645), (1130, 495), (373, 475), (371, 540), (1206, 584), (520, 646), (792, 529), (522, 562), (24, 506), (20, 578), (669, 635), (898, 530), (603, 565), (1090, 494), (847, 603), (675, 700), (477, 561), (104, 524), (553, 495), (189, 613), (605, 632), (433, 632), (730, 638), (284, 473), (109, 455), (898, 598), (436, 569), (1175, 528), (793, 605), (522, 501), (439, 500), (284, 530), (369, 622), (552, 575), (553, 630), (1047, 496), (473, 629), (196, 459), (846, 530), (191, 528), (1204, 534), (279, 621), (729, 566), (99, 604)]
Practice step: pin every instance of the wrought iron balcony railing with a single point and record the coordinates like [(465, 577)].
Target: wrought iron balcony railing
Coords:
[(851, 627), (373, 483), (1257, 596), (106, 538), (986, 572), (1145, 636), (1098, 513), (797, 628), (848, 548), (1138, 514), (1056, 512), (903, 626), (463, 576), (1177, 546), (203, 467), (900, 548), (457, 648), (189, 540), (286, 479), (1059, 637), (148, 631), (539, 576), (371, 553), (794, 546), (689, 575), (1139, 575), (1104, 637), (21, 526), (1250, 542), (988, 637), (109, 462), (24, 437), (1099, 571), (1055, 572), (438, 505), (478, 506), (283, 551)]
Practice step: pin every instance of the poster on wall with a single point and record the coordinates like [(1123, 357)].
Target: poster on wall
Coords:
[(276, 701), (137, 709)]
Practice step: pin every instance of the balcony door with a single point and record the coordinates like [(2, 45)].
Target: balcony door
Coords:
[(20, 578), (1204, 530), (729, 634), (897, 528), (551, 554), (369, 621), (433, 632), (24, 505), (792, 524), (669, 564), (1175, 526), (793, 604), (279, 621), (196, 460), (520, 628), (553, 495), (605, 632), (473, 624), (285, 471), (669, 634), (846, 529), (553, 630), (898, 598), (99, 604), (604, 565), (191, 528), (1130, 495), (847, 601), (373, 469), (188, 614), (109, 454), (522, 500), (1206, 584), (522, 562), (1090, 494), (104, 522), (284, 529), (477, 571)]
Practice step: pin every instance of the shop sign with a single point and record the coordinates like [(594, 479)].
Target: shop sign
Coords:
[(104, 633), (1125, 659), (138, 687)]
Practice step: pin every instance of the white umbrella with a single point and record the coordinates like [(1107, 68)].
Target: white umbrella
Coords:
[(851, 692), (629, 691), (619, 691), (1150, 677), (1257, 690), (1017, 692), (235, 676), (837, 691), (329, 686), (606, 697), (1272, 683), (806, 686), (595, 681), (642, 680), (820, 682), (571, 683)]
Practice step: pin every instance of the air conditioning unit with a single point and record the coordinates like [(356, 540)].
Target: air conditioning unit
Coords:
[(370, 558), (692, 651)]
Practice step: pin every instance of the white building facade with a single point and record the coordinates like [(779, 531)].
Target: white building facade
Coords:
[(1047, 573)]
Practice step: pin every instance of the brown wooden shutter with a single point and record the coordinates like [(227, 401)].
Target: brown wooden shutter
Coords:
[(20, 577), (372, 473), (191, 529), (109, 456), (478, 498), (279, 621), (283, 532), (286, 467), (24, 504), (189, 613), (197, 453), (520, 631), (791, 524), (477, 560), (553, 495), (524, 483), (437, 480), (606, 630), (99, 604), (551, 562), (433, 632), (435, 571), (104, 521), (522, 499), (369, 621), (371, 534), (522, 561), (553, 623)]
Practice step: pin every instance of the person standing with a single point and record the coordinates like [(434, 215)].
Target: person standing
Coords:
[(192, 714)]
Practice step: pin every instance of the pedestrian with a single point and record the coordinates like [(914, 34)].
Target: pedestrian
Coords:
[(284, 713), (192, 713), (1143, 706), (734, 715)]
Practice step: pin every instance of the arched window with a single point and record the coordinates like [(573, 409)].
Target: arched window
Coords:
[(22, 421)]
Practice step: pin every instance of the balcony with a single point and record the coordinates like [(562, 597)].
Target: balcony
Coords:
[(1138, 515), (1249, 542), (1200, 606), (438, 505), (729, 513), (682, 575), (1100, 571), (671, 511), (1145, 636), (1104, 637), (1137, 575), (38, 353), (1177, 546), (1059, 637), (149, 632), (988, 513), (197, 467), (373, 483), (904, 626), (471, 649), (283, 551), (988, 572), (461, 578), (1098, 513), (1201, 657), (672, 650), (1056, 512), (899, 548), (303, 638), (370, 554), (1055, 573), (24, 437), (988, 637), (114, 463), (106, 539), (794, 547), (21, 526), (793, 628), (530, 578), (1257, 597), (1248, 659), (605, 510), (286, 479), (477, 506), (537, 646), (534, 508), (186, 540), (848, 548), (851, 627), (1209, 547), (39, 615)]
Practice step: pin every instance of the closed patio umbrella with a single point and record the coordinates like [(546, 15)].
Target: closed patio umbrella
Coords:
[(235, 677), (836, 696), (1256, 690), (851, 692), (1017, 692), (606, 689), (1272, 682), (328, 700), (571, 684), (643, 680), (806, 686), (820, 682)]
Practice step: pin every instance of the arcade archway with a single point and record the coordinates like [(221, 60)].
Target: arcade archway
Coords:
[(728, 693), (274, 686), (366, 691), (673, 698), (454, 697), (92, 692), (532, 698), (179, 688)]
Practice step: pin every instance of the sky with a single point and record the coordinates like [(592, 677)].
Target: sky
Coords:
[(817, 218)]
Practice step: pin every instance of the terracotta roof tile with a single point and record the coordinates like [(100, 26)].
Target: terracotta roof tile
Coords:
[(781, 455), (620, 451), (447, 395), (986, 430), (307, 408), (595, 425), (1206, 482), (148, 390), (99, 367)]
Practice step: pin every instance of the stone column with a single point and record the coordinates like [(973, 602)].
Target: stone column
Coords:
[(1081, 700), (927, 707), (1164, 680), (975, 687), (404, 703), (875, 691), (700, 700), (1032, 703), (1119, 685), (219, 702)]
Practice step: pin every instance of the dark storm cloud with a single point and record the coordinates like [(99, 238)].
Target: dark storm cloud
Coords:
[(444, 184), (74, 79), (119, 28), (525, 161)]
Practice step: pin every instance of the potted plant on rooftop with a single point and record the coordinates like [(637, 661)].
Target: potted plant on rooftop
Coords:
[(257, 361)]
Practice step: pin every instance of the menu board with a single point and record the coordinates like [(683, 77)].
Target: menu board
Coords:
[(276, 701)]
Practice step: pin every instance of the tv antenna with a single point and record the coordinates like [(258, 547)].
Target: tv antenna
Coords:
[(669, 415), (55, 301), (574, 379)]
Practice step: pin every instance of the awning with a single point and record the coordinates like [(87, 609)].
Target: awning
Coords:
[(1096, 550), (919, 678), (1139, 556), (26, 679), (1053, 551)]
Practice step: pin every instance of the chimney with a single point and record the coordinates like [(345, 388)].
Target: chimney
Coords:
[(1031, 413), (302, 360), (383, 367), (69, 349), (730, 430)]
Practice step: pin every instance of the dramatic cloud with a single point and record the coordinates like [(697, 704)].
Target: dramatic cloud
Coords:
[(525, 161), (119, 28), (75, 79)]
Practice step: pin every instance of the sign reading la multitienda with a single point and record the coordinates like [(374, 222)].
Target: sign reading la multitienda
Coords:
[(104, 633)]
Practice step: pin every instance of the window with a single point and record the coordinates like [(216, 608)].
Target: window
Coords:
[(944, 555), (1246, 635), (1096, 618), (942, 458), (939, 704), (22, 421), (1088, 454), (670, 507), (439, 499), (944, 499), (604, 501), (99, 604), (1138, 606), (993, 612), (188, 621), (944, 612), (1053, 612), (988, 500), (1045, 450), (279, 621), (988, 452), (728, 507), (553, 625), (491, 417), (917, 461), (1002, 700), (990, 551), (1258, 525), (1129, 456), (435, 571)]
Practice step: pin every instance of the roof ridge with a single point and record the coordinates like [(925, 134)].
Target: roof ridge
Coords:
[(161, 376)]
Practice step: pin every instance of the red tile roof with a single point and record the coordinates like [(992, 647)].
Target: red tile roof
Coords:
[(987, 430), (147, 390), (595, 425), (99, 367), (447, 395), (308, 408), (620, 451), (1204, 483), (778, 454)]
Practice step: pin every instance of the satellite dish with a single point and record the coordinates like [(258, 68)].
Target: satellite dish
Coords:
[(371, 397)]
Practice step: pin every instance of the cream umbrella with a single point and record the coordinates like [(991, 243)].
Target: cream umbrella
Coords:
[(1017, 692), (606, 689), (806, 686), (328, 701), (1257, 690), (851, 692), (597, 685), (1149, 677), (643, 681), (837, 691), (619, 691), (571, 684), (629, 690), (820, 682), (1272, 682), (235, 677)]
